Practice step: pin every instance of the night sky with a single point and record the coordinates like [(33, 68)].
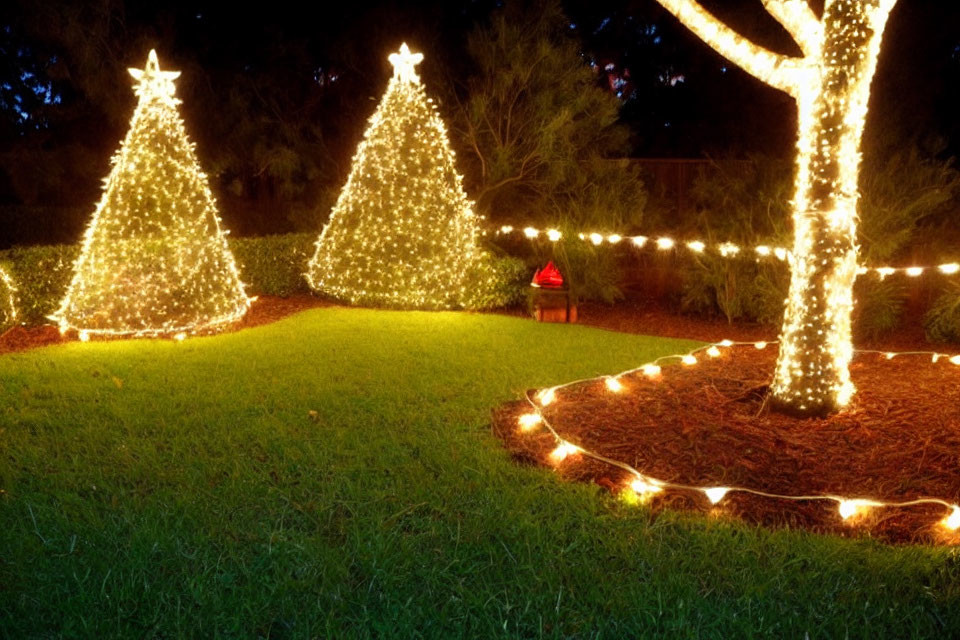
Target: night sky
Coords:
[(311, 73)]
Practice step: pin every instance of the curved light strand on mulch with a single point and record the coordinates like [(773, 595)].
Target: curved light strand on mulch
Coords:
[(645, 485)]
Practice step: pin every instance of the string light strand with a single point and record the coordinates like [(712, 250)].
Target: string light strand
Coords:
[(644, 484)]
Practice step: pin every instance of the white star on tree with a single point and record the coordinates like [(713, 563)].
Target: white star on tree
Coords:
[(403, 64), (152, 81)]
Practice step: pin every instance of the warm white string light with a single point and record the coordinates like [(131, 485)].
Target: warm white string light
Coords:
[(644, 485), (723, 249), (154, 259), (8, 309), (403, 232)]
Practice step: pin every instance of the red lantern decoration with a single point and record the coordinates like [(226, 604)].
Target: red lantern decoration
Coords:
[(549, 277)]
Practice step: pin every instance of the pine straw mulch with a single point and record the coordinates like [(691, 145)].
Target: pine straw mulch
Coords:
[(703, 425), (264, 310)]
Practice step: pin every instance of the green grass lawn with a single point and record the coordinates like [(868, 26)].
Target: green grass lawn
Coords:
[(162, 490)]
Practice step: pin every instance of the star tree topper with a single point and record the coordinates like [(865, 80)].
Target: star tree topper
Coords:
[(403, 64), (151, 81)]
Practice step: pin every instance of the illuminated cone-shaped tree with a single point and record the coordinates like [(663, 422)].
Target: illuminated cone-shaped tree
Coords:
[(402, 233), (154, 259), (8, 303), (831, 86)]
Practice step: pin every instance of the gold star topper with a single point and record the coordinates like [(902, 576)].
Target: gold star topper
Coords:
[(403, 64), (153, 82)]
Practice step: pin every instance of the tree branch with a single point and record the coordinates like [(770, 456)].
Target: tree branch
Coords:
[(798, 19), (781, 72)]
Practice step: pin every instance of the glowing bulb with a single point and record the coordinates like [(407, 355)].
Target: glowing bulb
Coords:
[(885, 271), (644, 487), (697, 246), (553, 235), (955, 359), (849, 508), (529, 420), (664, 243), (763, 250), (84, 336), (639, 240), (180, 337), (951, 268), (913, 272), (952, 521), (563, 450), (530, 232), (506, 228), (650, 370), (596, 238), (729, 249), (614, 238), (614, 385), (713, 352), (890, 356), (760, 345), (716, 494), (780, 253), (726, 343), (688, 360), (546, 396)]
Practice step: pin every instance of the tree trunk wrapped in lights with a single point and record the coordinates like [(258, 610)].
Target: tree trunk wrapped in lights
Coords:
[(402, 233), (831, 86), (154, 259)]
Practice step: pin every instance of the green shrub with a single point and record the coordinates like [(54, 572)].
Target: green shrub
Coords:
[(745, 203), (942, 322), (510, 279), (269, 265), (274, 265), (878, 305), (42, 274), (738, 289), (748, 202)]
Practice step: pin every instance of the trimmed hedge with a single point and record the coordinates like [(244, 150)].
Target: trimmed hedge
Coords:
[(269, 265)]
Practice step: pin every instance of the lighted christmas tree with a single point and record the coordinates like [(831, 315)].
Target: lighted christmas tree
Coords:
[(8, 303), (402, 233), (154, 259), (830, 83)]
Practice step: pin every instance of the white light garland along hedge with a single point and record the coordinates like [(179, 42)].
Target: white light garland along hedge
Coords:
[(724, 249)]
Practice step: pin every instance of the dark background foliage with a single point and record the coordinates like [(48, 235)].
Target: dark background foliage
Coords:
[(545, 101)]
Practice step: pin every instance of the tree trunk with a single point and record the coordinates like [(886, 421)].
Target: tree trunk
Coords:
[(812, 374)]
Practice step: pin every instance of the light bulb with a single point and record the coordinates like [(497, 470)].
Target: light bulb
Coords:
[(613, 384), (529, 420), (716, 494)]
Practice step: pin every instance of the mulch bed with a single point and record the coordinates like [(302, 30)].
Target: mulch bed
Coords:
[(704, 425), (264, 310)]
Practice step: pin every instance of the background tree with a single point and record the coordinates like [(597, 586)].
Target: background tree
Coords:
[(540, 138)]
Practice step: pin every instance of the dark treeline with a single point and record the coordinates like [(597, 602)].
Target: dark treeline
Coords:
[(276, 98)]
